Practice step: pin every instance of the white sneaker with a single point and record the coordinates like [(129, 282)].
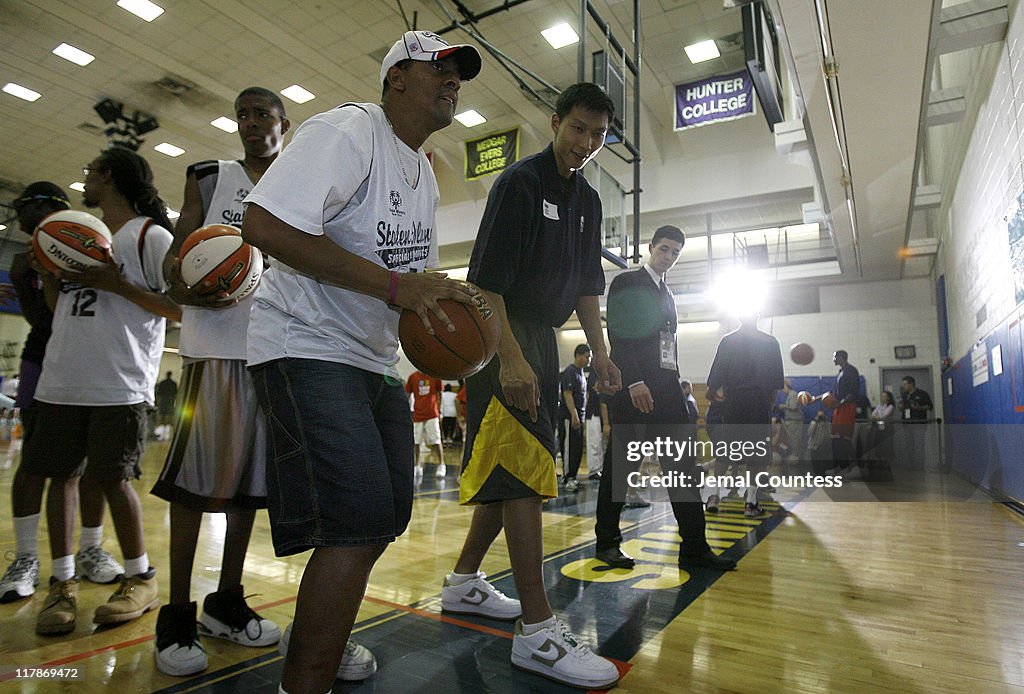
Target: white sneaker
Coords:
[(477, 596), (357, 663), (572, 485), (20, 579), (441, 471), (556, 653), (97, 565)]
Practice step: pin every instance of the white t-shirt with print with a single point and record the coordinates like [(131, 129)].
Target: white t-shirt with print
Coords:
[(344, 175), (105, 350)]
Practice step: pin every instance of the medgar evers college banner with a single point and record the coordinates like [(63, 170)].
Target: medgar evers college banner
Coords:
[(714, 100), (491, 154)]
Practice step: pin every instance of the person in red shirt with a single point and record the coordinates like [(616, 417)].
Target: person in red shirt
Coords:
[(426, 413)]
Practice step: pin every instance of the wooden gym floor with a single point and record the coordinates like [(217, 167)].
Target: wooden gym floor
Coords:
[(829, 597)]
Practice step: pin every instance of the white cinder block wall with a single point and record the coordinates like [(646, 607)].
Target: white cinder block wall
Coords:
[(973, 226)]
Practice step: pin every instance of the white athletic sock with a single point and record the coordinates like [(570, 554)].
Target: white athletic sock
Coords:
[(134, 567), (64, 567), (529, 629), (90, 537), (455, 579), (26, 534)]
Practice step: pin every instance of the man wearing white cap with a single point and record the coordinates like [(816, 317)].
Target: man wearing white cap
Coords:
[(347, 214)]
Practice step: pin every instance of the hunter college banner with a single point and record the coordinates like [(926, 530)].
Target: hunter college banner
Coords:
[(491, 154), (714, 100)]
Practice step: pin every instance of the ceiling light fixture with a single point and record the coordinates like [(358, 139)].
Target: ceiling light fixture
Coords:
[(470, 118), (226, 124), (169, 149), (298, 94), (560, 35), (21, 92), (143, 9), (74, 55), (704, 50)]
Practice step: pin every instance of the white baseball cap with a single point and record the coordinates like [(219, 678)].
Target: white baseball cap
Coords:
[(428, 47)]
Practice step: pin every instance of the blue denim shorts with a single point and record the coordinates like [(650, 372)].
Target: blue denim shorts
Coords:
[(339, 454)]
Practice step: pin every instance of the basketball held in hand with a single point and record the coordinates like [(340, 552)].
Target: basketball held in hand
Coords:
[(216, 260), (804, 398), (71, 240), (801, 353), (829, 401), (452, 355)]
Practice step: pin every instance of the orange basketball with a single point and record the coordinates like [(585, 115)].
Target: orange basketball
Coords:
[(71, 240), (452, 355), (829, 401), (804, 398), (215, 259), (801, 353)]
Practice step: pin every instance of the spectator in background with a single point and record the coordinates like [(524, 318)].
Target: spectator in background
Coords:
[(879, 447), (915, 404), (426, 417), (597, 426), (574, 399), (793, 418), (460, 403), (449, 415), (10, 386), (166, 393)]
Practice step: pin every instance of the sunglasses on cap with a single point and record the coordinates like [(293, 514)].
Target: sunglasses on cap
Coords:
[(21, 202)]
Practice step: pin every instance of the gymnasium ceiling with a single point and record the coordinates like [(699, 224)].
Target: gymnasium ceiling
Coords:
[(214, 48)]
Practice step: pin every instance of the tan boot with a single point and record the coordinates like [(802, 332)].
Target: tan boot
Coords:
[(60, 609), (135, 596)]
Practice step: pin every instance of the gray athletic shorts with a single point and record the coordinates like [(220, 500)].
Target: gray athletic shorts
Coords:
[(217, 460)]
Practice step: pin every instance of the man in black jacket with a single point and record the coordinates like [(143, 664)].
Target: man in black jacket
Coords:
[(651, 404)]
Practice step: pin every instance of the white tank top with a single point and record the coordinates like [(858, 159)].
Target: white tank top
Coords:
[(219, 333), (347, 176), (105, 350)]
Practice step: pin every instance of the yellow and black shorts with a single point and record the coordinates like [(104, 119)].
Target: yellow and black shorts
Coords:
[(507, 456)]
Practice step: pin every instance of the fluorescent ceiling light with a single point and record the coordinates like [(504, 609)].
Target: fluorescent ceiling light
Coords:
[(76, 56), (470, 118), (2, 227), (225, 124), (141, 8), (77, 185), (298, 94), (560, 35), (699, 52), (169, 149), (172, 214), (21, 92)]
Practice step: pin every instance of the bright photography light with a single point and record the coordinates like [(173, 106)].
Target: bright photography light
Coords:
[(739, 291)]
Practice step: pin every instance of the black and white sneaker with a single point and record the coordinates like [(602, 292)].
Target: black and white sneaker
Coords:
[(178, 651), (227, 616)]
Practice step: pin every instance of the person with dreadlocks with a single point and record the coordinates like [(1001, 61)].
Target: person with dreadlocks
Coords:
[(98, 377)]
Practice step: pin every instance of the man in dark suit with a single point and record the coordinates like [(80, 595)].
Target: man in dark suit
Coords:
[(642, 332)]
